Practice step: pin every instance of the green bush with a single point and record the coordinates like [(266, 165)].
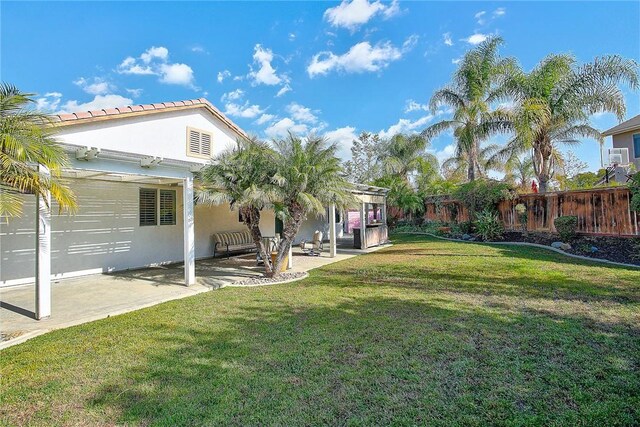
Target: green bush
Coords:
[(566, 227), (466, 227), (489, 225), (483, 194), (634, 187)]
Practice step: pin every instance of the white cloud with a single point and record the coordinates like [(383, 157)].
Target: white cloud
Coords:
[(361, 58), (447, 39), (456, 60), (98, 103), (264, 119), (223, 75), (155, 61), (245, 111), (134, 92), (412, 105), (96, 87), (161, 53), (352, 15), (301, 113), (406, 126), (282, 127), (292, 36), (446, 153), (476, 38), (232, 96), (265, 73), (483, 18), (501, 11), (479, 17), (199, 49), (49, 102), (177, 74), (343, 137), (284, 89)]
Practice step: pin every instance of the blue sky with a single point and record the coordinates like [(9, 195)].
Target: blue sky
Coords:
[(337, 68)]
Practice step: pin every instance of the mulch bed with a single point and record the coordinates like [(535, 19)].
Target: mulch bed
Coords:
[(256, 281), (618, 249)]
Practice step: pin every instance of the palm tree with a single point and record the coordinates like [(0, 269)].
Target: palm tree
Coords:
[(309, 177), (26, 141), (519, 171), (241, 176), (554, 102), (405, 154), (485, 162), (470, 96)]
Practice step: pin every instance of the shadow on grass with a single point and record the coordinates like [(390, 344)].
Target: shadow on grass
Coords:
[(379, 361)]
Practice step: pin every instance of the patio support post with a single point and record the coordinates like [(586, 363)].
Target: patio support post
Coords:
[(189, 233), (43, 252), (332, 230), (363, 225)]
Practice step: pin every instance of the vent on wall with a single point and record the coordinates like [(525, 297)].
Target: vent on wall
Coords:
[(198, 143)]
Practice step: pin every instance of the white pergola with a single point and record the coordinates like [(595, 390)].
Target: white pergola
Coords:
[(114, 166)]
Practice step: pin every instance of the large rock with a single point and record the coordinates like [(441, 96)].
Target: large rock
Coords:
[(560, 245), (466, 237)]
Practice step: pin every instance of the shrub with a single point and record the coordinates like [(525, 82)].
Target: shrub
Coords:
[(634, 187), (483, 194), (466, 227), (566, 227), (489, 225)]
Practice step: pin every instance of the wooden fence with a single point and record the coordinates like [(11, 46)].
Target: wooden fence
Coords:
[(604, 211)]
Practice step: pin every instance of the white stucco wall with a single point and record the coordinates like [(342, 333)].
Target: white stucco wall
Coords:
[(625, 140), (105, 235), (160, 134)]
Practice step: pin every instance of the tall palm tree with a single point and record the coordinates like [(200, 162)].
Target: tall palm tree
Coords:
[(519, 171), (241, 176), (470, 96), (405, 154), (554, 102), (309, 177), (485, 161), (26, 141)]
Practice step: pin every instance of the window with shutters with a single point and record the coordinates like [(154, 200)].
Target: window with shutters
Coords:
[(148, 206), (167, 207), (199, 143)]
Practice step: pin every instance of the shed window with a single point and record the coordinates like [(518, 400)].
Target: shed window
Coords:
[(148, 206), (198, 143), (167, 207), (636, 145)]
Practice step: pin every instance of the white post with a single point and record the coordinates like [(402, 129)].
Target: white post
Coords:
[(363, 226), (332, 230), (383, 214), (189, 233), (43, 253), (290, 260)]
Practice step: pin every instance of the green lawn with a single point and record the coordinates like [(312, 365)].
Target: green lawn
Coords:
[(424, 332)]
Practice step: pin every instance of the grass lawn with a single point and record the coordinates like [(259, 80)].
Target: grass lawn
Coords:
[(424, 332)]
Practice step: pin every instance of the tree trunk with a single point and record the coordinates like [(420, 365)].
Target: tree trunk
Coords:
[(473, 160), (251, 218), (542, 163), (290, 229)]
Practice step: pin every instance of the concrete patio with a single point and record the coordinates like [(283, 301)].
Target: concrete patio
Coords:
[(88, 298)]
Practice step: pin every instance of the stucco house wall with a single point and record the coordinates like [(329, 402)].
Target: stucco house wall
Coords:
[(105, 235), (625, 140)]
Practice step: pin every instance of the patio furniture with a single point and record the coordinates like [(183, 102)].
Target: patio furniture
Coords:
[(315, 246), (233, 241)]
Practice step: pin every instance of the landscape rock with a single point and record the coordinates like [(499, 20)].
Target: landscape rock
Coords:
[(561, 245), (594, 249), (466, 237)]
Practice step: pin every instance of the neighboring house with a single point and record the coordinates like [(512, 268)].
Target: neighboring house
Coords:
[(132, 172), (626, 135)]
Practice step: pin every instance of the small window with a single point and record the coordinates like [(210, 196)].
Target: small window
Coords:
[(167, 207), (198, 143), (148, 204), (636, 145)]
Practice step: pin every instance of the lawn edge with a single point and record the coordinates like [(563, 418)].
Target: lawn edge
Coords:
[(534, 245)]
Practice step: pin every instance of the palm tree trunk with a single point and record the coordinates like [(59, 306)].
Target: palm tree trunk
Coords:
[(251, 218), (289, 232)]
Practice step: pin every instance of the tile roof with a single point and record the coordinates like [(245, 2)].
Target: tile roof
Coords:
[(629, 125), (133, 110)]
